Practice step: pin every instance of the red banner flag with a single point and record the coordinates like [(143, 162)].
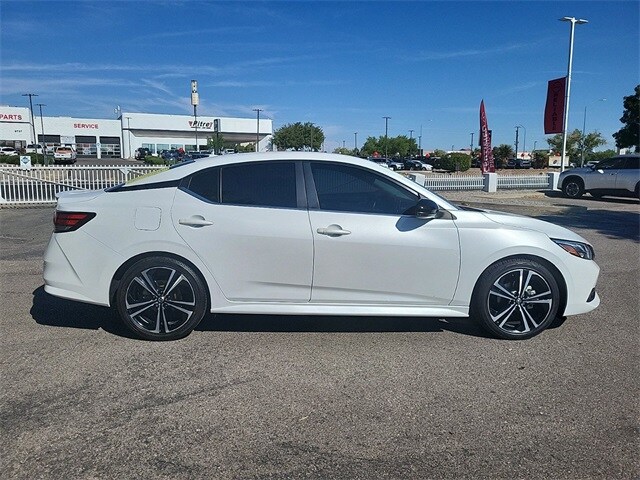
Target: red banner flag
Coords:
[(486, 154), (554, 109)]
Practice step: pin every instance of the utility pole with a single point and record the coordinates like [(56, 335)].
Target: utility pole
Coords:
[(355, 142), (471, 145), (386, 137), (257, 110), (33, 127), (44, 157)]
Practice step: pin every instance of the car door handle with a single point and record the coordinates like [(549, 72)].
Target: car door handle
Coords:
[(333, 231), (195, 221)]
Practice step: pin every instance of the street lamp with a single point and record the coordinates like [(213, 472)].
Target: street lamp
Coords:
[(44, 158), (33, 127), (584, 124), (524, 143), (471, 145), (195, 100), (257, 110), (355, 142), (573, 21), (386, 132), (129, 135)]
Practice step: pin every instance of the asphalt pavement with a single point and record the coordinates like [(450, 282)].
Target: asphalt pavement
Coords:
[(269, 397)]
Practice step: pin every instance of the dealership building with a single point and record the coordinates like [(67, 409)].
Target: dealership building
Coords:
[(119, 138)]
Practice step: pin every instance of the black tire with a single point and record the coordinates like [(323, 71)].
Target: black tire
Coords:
[(573, 187), (161, 298), (515, 299)]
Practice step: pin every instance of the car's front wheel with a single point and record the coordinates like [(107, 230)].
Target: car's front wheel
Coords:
[(161, 298), (573, 187), (516, 298)]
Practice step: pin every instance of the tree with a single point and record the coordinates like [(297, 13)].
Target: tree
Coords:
[(597, 156), (215, 143), (540, 159), (501, 154), (401, 146), (629, 134), (299, 136), (576, 142)]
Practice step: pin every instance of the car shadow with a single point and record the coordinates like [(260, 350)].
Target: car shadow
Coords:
[(58, 312), (589, 198), (338, 324)]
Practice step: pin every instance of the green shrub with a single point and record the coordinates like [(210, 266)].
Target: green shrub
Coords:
[(36, 159), (453, 162), (149, 160)]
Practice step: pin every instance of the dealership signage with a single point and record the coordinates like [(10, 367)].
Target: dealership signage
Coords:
[(200, 124), (93, 126), (10, 116)]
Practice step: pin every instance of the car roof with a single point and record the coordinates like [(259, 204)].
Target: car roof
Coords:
[(183, 169)]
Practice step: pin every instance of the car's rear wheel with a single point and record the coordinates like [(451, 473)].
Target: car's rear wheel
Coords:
[(573, 187), (161, 298), (516, 299)]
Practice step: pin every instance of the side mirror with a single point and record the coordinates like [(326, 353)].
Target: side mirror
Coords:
[(426, 209)]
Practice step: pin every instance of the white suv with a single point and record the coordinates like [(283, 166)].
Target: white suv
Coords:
[(64, 155), (616, 176)]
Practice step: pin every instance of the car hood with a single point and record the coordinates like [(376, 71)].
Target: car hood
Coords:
[(576, 170), (528, 223)]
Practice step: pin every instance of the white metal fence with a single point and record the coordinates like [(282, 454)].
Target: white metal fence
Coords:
[(40, 184), (453, 182)]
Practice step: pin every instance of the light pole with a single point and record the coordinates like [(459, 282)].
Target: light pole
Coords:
[(420, 142), (44, 158), (410, 138), (524, 142), (573, 21), (33, 127), (355, 142), (386, 132), (257, 110), (195, 100), (584, 124), (129, 135), (471, 145)]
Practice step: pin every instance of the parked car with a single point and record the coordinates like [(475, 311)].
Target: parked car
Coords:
[(141, 153), (171, 156), (8, 151), (518, 163), (308, 234), (64, 155), (412, 164), (416, 164), (33, 148), (382, 161), (616, 176), (395, 164)]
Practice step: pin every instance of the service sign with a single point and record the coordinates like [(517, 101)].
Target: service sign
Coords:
[(25, 162)]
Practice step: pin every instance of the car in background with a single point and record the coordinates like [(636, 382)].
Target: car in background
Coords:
[(518, 163), (380, 161), (8, 151), (395, 164), (416, 164), (141, 153), (212, 236), (171, 156), (64, 155), (33, 148), (615, 176), (196, 155)]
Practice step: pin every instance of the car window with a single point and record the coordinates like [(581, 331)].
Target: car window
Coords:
[(632, 163), (206, 184), (266, 184), (611, 163), (346, 188)]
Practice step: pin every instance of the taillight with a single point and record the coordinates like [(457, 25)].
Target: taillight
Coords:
[(70, 221)]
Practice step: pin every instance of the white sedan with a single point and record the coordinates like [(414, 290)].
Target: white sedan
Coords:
[(308, 233)]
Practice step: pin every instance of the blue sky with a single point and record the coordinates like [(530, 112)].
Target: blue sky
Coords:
[(340, 65)]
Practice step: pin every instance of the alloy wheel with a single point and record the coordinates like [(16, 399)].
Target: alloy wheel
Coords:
[(520, 301), (160, 300)]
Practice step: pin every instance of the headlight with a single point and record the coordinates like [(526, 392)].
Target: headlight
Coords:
[(577, 249)]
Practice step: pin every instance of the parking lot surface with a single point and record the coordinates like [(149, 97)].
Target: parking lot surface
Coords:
[(269, 397)]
